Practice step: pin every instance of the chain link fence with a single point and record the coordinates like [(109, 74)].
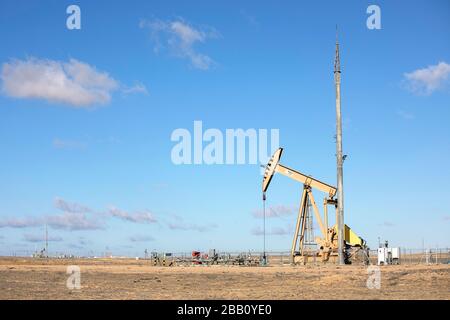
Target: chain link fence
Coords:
[(408, 256)]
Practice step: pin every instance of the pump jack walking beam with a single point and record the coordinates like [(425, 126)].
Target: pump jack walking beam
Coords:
[(306, 180), (274, 166)]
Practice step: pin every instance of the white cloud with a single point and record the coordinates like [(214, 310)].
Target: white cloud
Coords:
[(276, 231), (71, 207), (137, 217), (274, 211), (387, 224), (40, 238), (73, 83), (67, 221), (405, 115), (76, 216), (181, 225), (427, 80), (73, 221), (181, 37), (20, 222), (140, 238), (251, 19), (68, 144), (137, 88)]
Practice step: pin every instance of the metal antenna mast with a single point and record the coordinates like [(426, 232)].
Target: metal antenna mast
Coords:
[(46, 240), (339, 156)]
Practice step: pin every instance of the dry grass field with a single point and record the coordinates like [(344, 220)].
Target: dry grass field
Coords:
[(26, 278)]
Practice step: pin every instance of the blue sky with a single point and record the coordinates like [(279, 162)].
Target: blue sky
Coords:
[(92, 158)]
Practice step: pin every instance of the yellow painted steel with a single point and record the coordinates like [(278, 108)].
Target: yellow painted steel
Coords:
[(350, 237), (306, 180)]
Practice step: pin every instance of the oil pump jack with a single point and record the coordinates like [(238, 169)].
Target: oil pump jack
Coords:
[(328, 244), (339, 242)]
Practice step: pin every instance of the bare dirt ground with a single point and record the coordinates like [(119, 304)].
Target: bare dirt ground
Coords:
[(26, 278)]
